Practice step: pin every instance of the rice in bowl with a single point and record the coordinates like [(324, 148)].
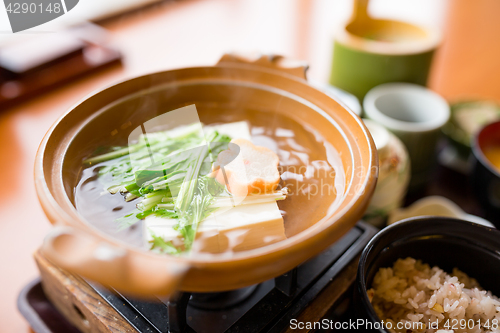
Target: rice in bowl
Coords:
[(412, 292)]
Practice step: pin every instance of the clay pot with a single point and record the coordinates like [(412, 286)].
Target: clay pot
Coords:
[(226, 92)]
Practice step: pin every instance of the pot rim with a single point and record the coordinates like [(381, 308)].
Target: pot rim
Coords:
[(299, 241)]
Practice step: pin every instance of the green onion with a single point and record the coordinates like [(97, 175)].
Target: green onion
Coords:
[(175, 187)]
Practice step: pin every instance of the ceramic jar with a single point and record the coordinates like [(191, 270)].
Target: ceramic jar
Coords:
[(394, 174)]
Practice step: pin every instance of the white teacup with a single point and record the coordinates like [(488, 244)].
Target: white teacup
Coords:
[(415, 114)]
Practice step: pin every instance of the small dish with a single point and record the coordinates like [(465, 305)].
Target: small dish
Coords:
[(486, 172), (435, 206), (466, 119)]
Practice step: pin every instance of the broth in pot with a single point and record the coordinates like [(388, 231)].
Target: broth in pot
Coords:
[(309, 168)]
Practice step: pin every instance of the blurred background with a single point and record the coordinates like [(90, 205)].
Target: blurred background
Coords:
[(142, 36)]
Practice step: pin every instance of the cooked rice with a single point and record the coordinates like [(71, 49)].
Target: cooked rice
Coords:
[(412, 291)]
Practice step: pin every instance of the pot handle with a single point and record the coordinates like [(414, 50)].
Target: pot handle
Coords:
[(277, 62), (142, 275)]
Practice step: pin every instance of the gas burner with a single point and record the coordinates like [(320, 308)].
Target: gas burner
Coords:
[(220, 300), (266, 307)]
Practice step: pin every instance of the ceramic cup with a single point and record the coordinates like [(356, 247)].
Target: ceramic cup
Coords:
[(393, 175), (368, 52), (415, 115)]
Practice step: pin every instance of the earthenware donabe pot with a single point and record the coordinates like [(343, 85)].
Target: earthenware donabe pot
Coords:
[(269, 83)]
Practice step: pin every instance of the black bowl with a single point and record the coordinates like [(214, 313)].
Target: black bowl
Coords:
[(485, 177), (440, 241)]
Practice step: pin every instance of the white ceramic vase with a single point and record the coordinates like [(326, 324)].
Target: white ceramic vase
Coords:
[(394, 174)]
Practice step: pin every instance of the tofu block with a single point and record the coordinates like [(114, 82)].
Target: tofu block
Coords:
[(248, 168), (236, 130), (240, 228)]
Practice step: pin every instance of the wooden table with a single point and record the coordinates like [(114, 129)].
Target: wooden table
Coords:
[(197, 32)]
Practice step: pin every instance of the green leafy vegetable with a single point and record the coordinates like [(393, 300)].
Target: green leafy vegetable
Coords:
[(158, 244), (174, 186)]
